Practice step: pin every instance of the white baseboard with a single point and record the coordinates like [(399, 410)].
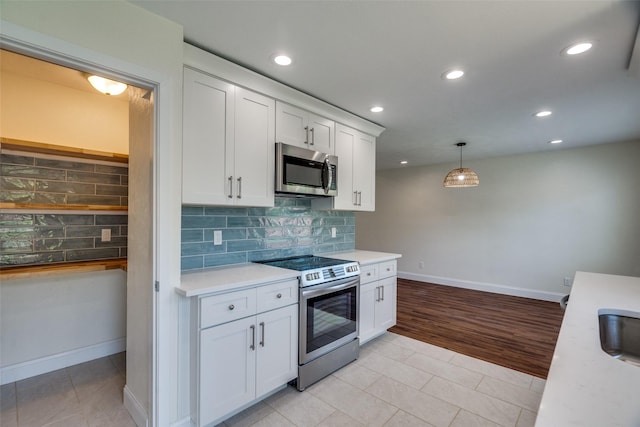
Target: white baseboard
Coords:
[(135, 408), (31, 368), (185, 422), (486, 287)]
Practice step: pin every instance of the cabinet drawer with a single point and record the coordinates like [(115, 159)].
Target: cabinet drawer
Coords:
[(368, 273), (226, 307), (387, 269), (277, 295)]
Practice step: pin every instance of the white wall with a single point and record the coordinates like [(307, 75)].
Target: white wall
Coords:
[(534, 220), (123, 40), (39, 111), (53, 322)]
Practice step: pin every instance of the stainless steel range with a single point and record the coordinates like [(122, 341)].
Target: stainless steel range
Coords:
[(329, 306)]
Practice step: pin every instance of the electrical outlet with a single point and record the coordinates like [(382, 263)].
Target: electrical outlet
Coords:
[(333, 232), (105, 235), (217, 237), (421, 265), (567, 281)]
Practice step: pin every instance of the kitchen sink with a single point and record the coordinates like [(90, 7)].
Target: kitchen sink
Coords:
[(620, 335)]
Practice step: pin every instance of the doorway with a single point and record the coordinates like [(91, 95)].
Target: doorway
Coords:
[(140, 252)]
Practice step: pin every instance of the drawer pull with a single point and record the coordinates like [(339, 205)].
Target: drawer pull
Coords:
[(279, 296), (388, 269), (231, 307), (368, 274)]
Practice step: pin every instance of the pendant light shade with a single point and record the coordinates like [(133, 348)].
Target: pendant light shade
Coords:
[(461, 177)]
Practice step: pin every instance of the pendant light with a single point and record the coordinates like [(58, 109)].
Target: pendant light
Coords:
[(461, 177)]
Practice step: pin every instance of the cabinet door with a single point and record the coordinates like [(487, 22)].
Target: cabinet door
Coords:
[(386, 307), (368, 302), (290, 125), (254, 149), (277, 348), (345, 140), (207, 136), (364, 171), (321, 134), (227, 372)]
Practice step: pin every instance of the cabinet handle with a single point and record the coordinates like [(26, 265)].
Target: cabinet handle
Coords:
[(230, 179), (253, 337), (313, 136), (306, 129), (382, 292), (368, 274), (355, 198), (262, 329), (231, 307), (279, 296), (239, 188), (359, 198), (377, 293)]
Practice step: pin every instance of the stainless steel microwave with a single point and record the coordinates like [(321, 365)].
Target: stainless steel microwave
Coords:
[(305, 172)]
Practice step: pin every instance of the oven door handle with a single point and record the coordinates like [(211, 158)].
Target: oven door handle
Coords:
[(326, 290)]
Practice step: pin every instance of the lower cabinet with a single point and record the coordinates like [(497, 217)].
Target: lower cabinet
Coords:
[(242, 360), (377, 299)]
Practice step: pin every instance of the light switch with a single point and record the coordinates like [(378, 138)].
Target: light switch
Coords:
[(333, 232), (217, 237), (105, 235)]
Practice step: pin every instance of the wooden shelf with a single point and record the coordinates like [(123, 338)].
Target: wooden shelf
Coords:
[(83, 153), (42, 207), (31, 271)]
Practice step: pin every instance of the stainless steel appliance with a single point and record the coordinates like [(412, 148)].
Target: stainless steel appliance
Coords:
[(305, 172), (329, 307)]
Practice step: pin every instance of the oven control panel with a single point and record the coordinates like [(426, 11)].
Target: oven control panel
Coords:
[(327, 274)]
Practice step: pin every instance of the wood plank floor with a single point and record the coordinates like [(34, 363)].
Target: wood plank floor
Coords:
[(518, 333)]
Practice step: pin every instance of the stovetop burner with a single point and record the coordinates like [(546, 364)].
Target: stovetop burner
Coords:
[(316, 269)]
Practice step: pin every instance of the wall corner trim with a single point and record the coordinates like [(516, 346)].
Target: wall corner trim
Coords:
[(135, 408), (486, 287)]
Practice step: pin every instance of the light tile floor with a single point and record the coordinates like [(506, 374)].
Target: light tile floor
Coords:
[(87, 395), (397, 381)]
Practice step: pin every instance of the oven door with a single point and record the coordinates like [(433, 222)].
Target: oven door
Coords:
[(328, 317)]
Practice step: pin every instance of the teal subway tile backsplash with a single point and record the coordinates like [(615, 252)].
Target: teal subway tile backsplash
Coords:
[(290, 228)]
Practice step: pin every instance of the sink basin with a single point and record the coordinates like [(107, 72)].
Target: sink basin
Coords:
[(620, 335)]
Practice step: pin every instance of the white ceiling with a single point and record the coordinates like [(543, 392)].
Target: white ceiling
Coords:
[(355, 54)]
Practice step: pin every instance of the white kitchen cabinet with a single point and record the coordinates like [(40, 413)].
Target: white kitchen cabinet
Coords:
[(228, 143), (356, 153), (295, 126), (246, 347), (378, 284)]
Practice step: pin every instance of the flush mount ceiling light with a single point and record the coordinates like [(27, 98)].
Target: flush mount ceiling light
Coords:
[(283, 60), (543, 113), (555, 141), (403, 162), (106, 86), (578, 48), (461, 177), (453, 74), (376, 109)]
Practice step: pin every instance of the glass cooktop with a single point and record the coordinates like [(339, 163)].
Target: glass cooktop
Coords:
[(303, 263)]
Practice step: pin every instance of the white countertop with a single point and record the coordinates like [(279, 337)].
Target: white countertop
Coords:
[(231, 277), (586, 387), (363, 257), (238, 276)]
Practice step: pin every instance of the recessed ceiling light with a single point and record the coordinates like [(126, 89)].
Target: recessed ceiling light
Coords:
[(555, 141), (403, 162), (377, 109), (453, 74), (283, 60), (578, 48), (543, 113)]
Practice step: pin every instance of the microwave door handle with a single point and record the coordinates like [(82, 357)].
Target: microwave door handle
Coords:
[(327, 178)]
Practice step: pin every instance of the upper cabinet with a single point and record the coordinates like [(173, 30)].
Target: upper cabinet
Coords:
[(295, 126), (356, 153), (228, 143)]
